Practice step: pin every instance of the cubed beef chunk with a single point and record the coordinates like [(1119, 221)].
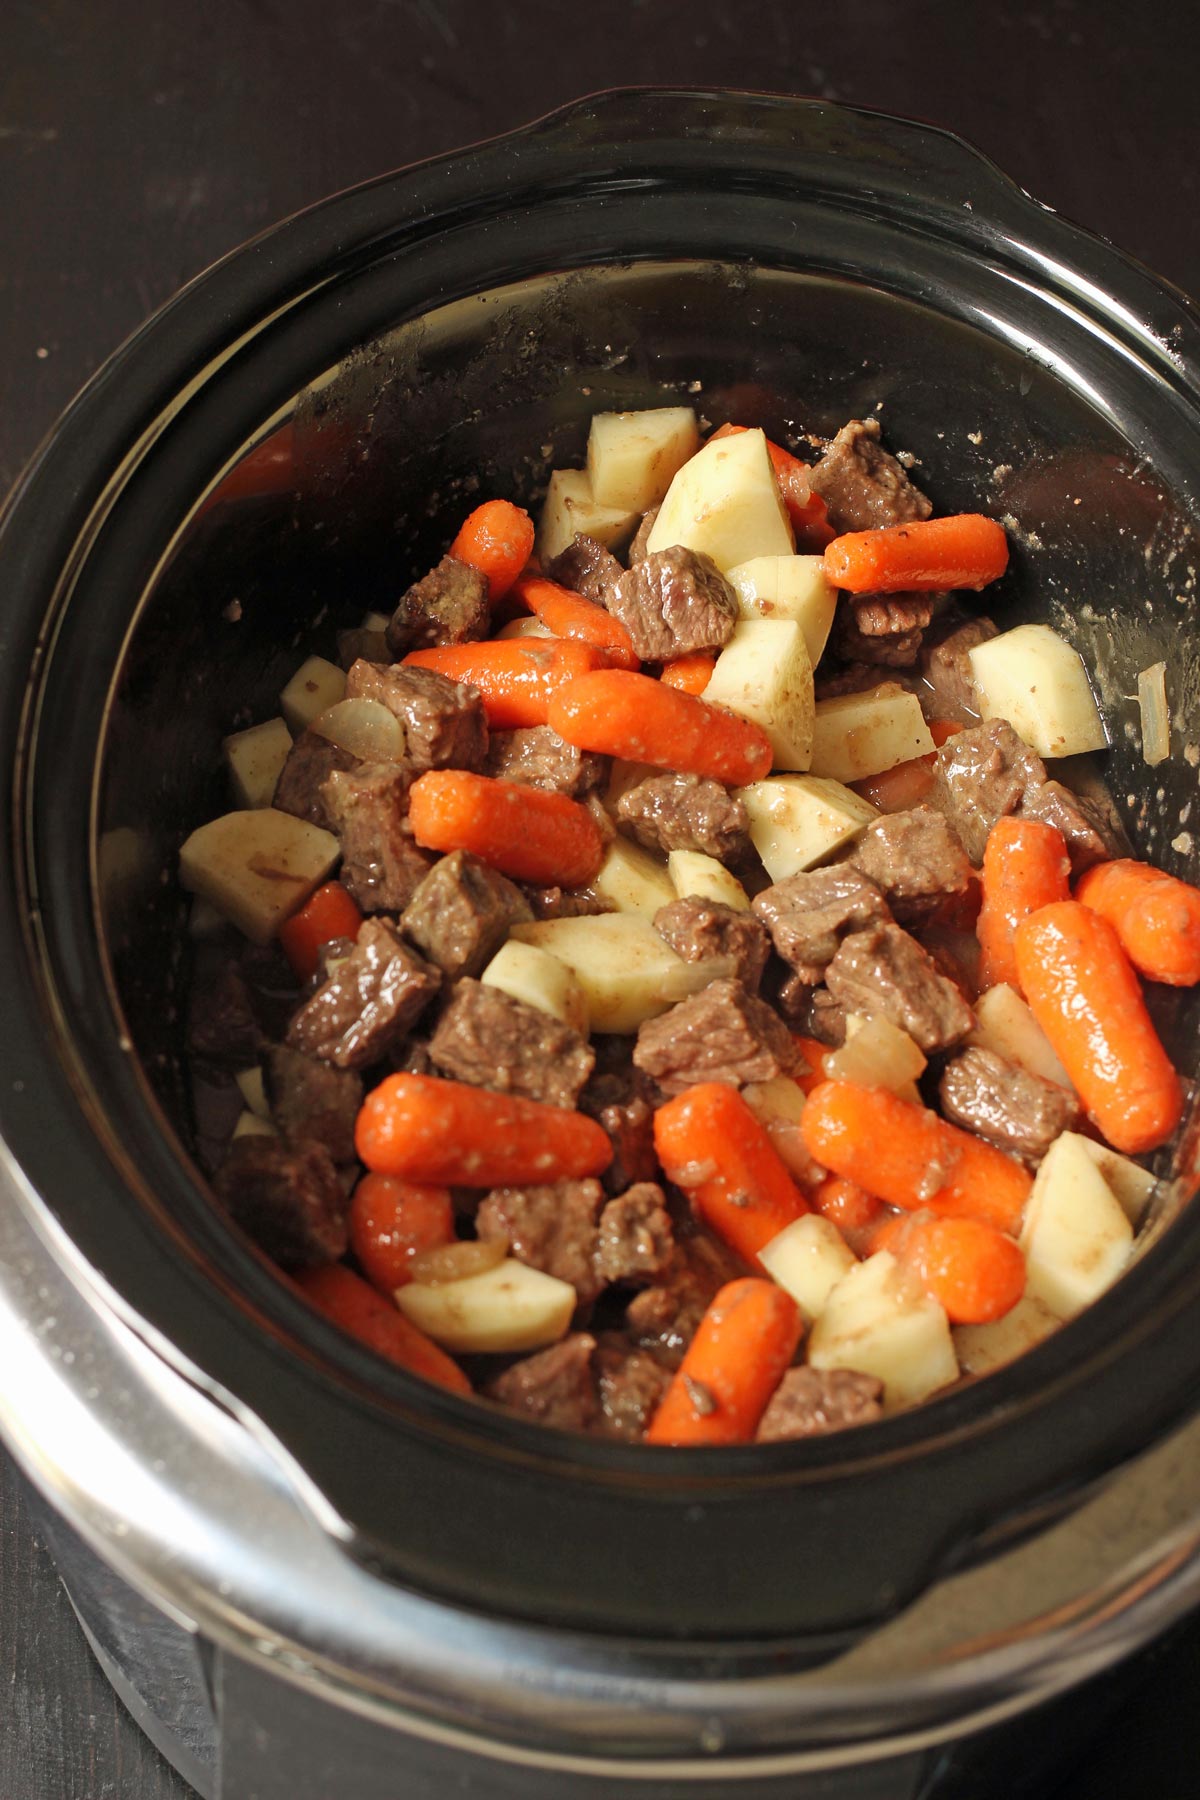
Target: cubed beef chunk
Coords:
[(223, 1023), (680, 811), (884, 629), (825, 1019), (831, 682), (447, 606), (621, 1102), (587, 568), (810, 1402), (1090, 831), (720, 1034), (631, 1386), (809, 914), (641, 537), (552, 1228), (288, 1197), (367, 807), (537, 757), (556, 1386), (862, 484), (636, 1239), (698, 929), (663, 1318), (564, 903), (445, 726), (988, 772), (360, 641), (375, 996), (462, 912), (488, 1039), (309, 1099), (946, 666), (673, 603), (1005, 1104), (311, 760), (916, 860), (884, 973)]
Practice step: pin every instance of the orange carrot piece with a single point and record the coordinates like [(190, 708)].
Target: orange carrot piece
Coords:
[(426, 1129), (1025, 867), (711, 1145), (637, 718), (966, 550), (942, 730), (569, 615), (847, 1205), (329, 913), (812, 1051), (742, 1348), (516, 677), (496, 539), (807, 511), (1155, 915), (899, 788), (976, 1272), (691, 674), (1085, 995), (906, 1155), (392, 1221), (349, 1301), (527, 833)]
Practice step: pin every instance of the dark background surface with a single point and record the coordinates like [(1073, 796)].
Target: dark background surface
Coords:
[(140, 140)]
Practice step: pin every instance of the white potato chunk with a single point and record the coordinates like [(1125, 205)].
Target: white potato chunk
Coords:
[(808, 1259), (778, 1105), (632, 880), (524, 628), (1032, 677), (375, 621), (725, 502), (316, 686), (627, 973), (571, 507), (983, 1347), (257, 867), (796, 821), (788, 587), (764, 673), (531, 974), (1005, 1024), (858, 735), (363, 727), (632, 457), (254, 759), (622, 776), (877, 1053), (250, 1124), (253, 1091), (503, 1309), (1075, 1235), (692, 872), (1131, 1185), (879, 1320)]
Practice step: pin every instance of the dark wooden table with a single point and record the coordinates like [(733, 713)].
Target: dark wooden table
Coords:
[(139, 141)]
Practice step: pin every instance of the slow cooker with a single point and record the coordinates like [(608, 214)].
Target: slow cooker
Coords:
[(303, 1570)]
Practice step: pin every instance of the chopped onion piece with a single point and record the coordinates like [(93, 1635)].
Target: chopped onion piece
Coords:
[(363, 727), (1156, 719)]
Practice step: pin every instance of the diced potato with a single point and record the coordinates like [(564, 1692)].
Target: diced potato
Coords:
[(363, 727), (524, 627), (983, 1347), (254, 758), (692, 872), (877, 1054), (632, 880), (314, 688), (1032, 677), (257, 867), (1006, 1025), (858, 735), (623, 776), (778, 1105), (571, 507), (632, 457), (249, 1124), (1131, 1185), (254, 1093), (539, 979), (764, 673), (375, 621), (808, 1258), (627, 973), (1075, 1236), (796, 821), (726, 503), (788, 587), (879, 1320), (503, 1309)]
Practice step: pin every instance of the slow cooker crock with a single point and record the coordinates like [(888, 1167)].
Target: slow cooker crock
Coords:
[(520, 1598)]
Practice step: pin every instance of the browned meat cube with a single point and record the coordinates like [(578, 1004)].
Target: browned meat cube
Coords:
[(997, 1100), (673, 603), (367, 807), (489, 1039), (720, 1034), (663, 1318), (809, 914), (619, 1100), (1090, 832), (556, 1386), (537, 757), (699, 929), (287, 1197), (223, 1024), (637, 550), (564, 903), (988, 772), (830, 682), (372, 999), (946, 666), (679, 811), (311, 760), (631, 1386), (637, 1240), (916, 860), (825, 1019), (884, 973), (447, 606), (882, 629), (587, 568), (552, 1228), (810, 1402), (462, 913), (445, 726), (862, 484), (309, 1099)]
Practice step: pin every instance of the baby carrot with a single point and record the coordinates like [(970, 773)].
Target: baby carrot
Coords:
[(639, 719), (906, 1155), (846, 1205), (711, 1145), (569, 615), (1085, 995), (391, 1221), (742, 1348), (349, 1301), (899, 788), (691, 674), (515, 676), (1025, 867), (496, 539), (1156, 917), (963, 551), (976, 1272), (806, 510), (329, 913), (528, 833), (426, 1129)]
